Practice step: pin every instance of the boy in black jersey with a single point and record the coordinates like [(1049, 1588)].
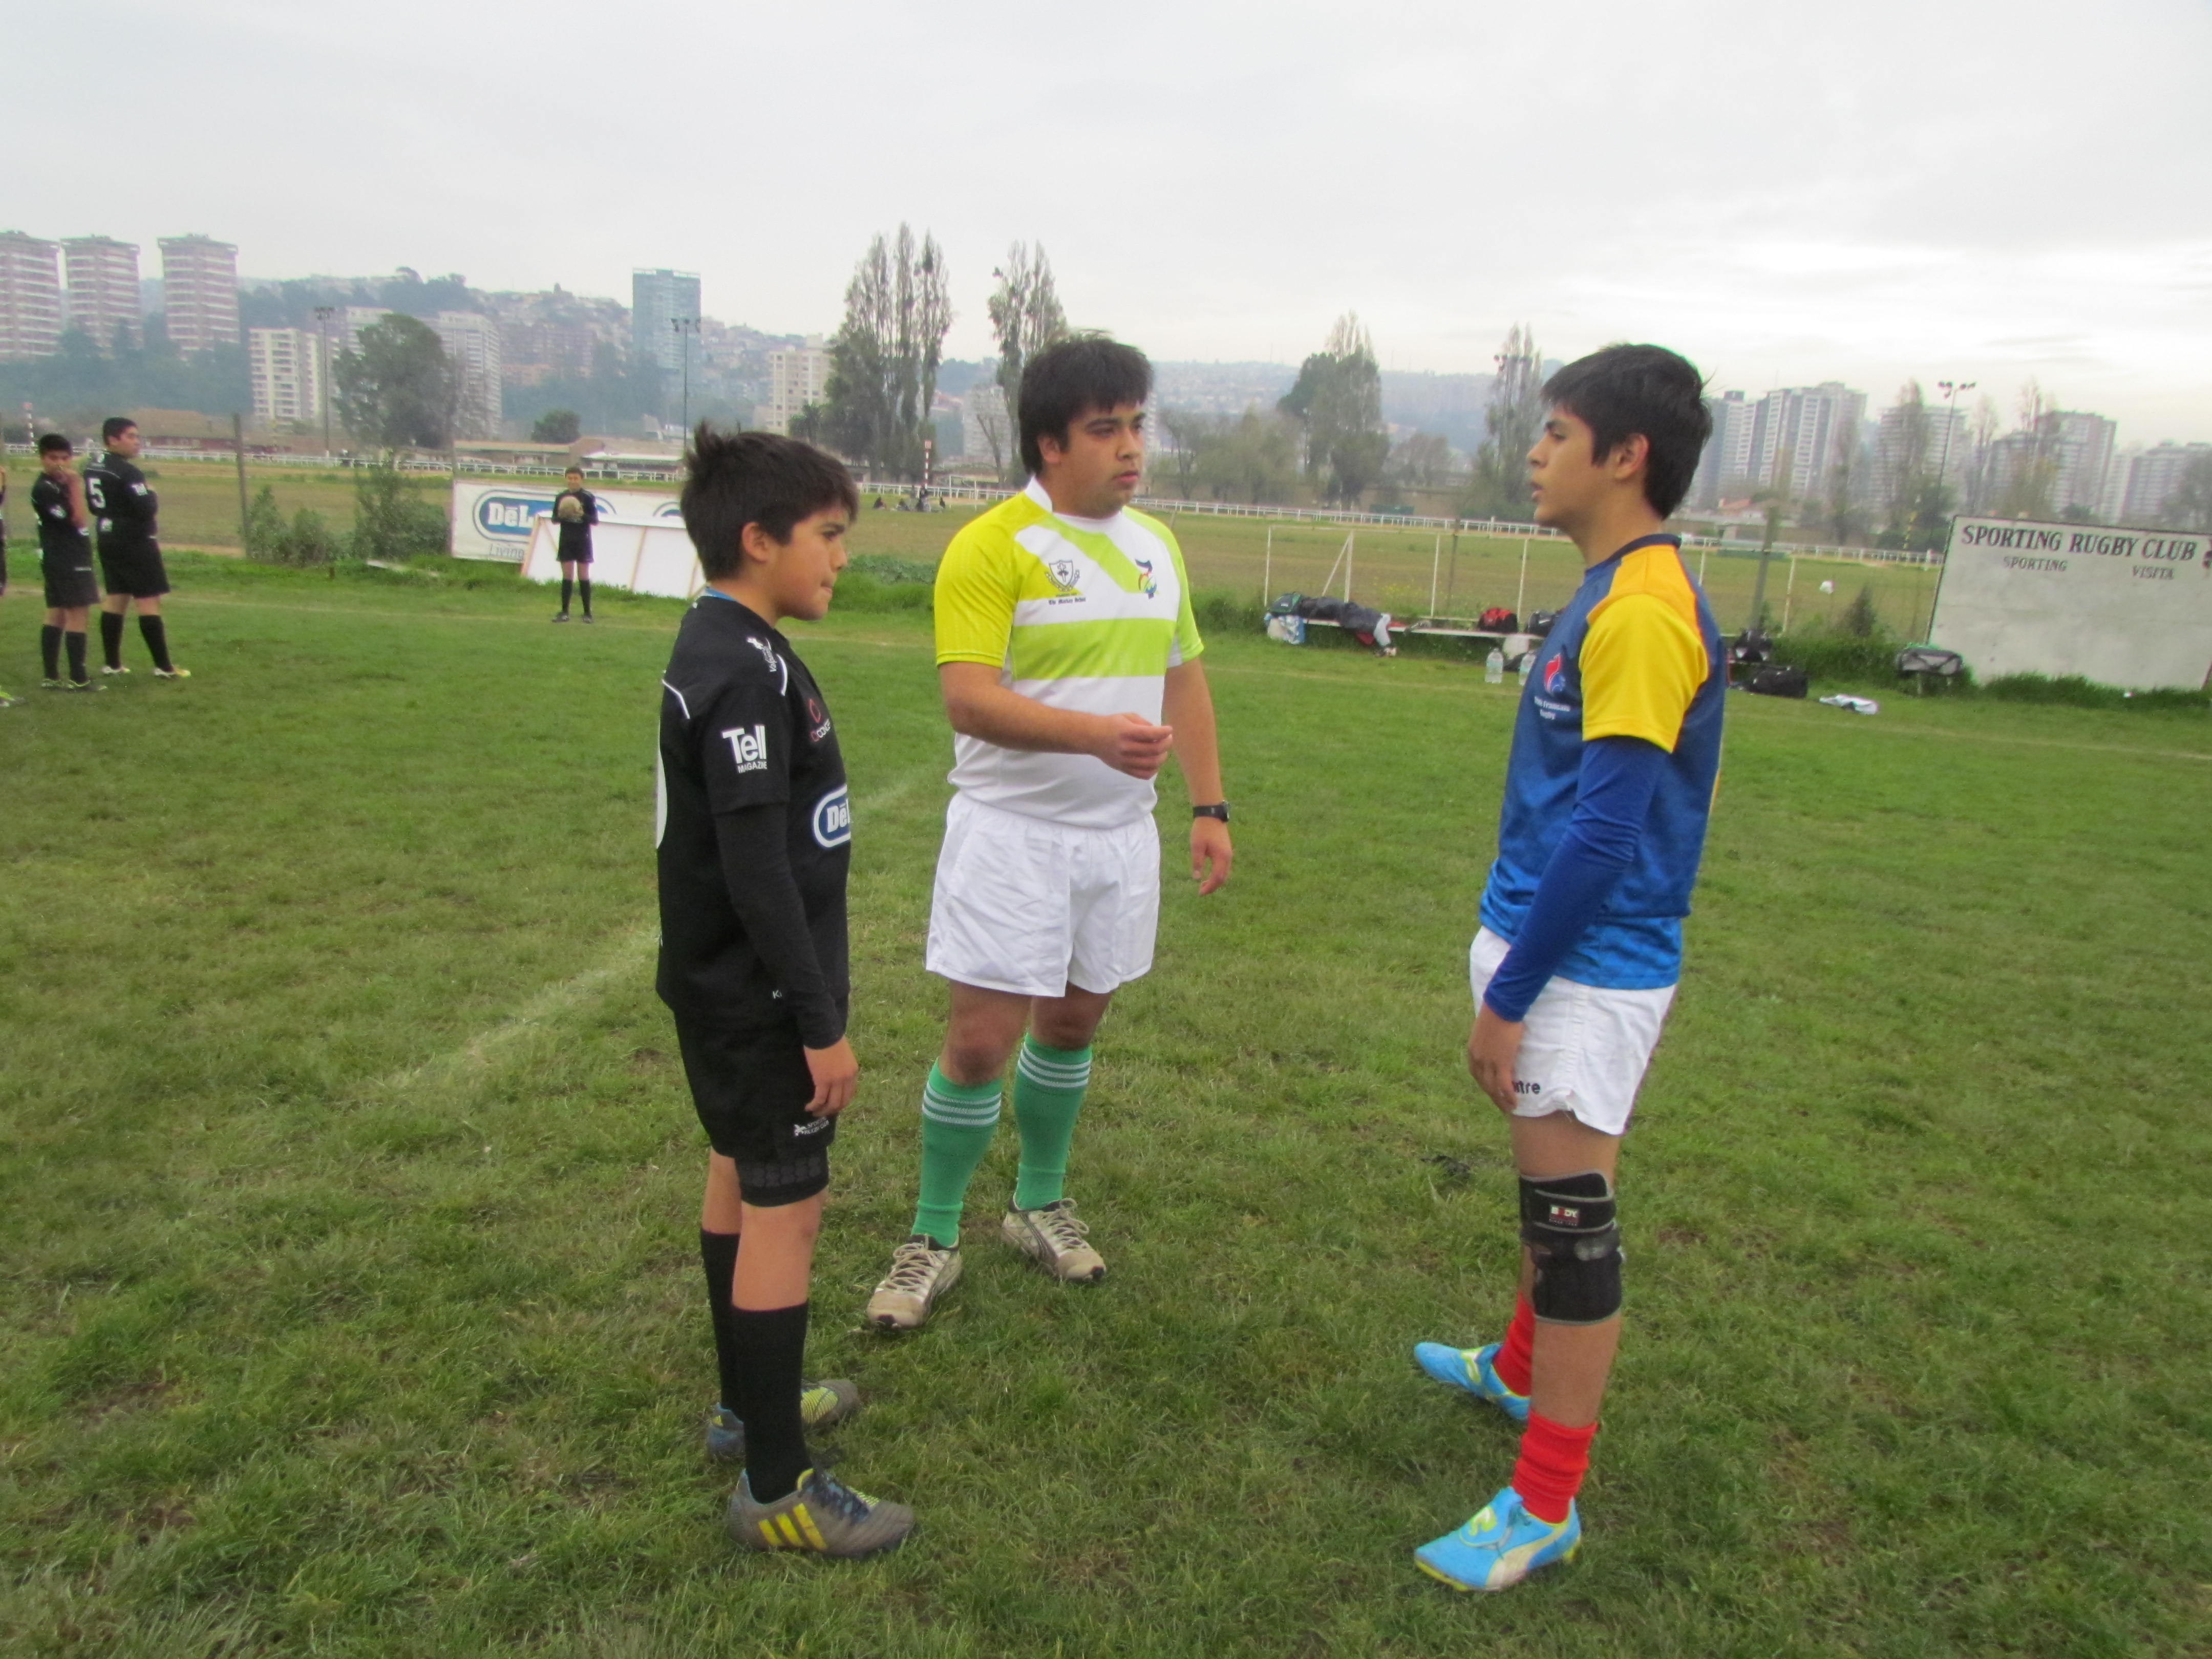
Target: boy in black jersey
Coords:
[(575, 510), (753, 835), (65, 562), (123, 507)]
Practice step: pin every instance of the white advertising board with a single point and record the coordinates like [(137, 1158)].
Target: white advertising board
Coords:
[(492, 519), (647, 555), (2130, 608)]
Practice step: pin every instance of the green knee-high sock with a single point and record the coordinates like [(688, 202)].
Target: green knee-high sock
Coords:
[(958, 1122), (1049, 1085)]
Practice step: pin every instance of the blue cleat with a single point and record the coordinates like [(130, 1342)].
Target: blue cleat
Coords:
[(1475, 1371), (1500, 1546), (820, 1404)]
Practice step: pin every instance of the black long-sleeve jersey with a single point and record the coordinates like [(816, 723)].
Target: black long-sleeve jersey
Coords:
[(58, 537), (754, 833), (121, 502)]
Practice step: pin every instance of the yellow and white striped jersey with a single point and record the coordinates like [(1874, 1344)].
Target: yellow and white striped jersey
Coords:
[(1087, 614)]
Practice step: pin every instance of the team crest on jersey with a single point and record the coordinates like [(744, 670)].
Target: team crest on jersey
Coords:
[(1067, 576), (1145, 578), (1555, 673), (833, 819)]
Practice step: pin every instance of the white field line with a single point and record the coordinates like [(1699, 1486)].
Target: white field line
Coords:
[(460, 1068)]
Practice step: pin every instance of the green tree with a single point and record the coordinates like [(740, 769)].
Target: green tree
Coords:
[(1253, 458), (1498, 486), (391, 519), (556, 425), (1189, 434), (399, 389), (1420, 462), (1337, 401), (1025, 316), (883, 362)]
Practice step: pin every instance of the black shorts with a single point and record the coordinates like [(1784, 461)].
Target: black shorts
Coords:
[(70, 583), (750, 1089), (137, 571), (569, 555)]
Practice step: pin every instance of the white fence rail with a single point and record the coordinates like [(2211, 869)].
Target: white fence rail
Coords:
[(1160, 505)]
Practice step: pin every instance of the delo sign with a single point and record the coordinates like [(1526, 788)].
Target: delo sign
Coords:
[(508, 517), (494, 521)]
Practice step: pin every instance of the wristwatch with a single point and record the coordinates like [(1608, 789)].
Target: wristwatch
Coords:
[(1218, 809)]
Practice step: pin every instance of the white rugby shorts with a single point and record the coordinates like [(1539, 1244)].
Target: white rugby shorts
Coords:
[(1026, 905), (1583, 1048)]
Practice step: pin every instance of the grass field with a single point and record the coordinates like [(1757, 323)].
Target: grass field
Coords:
[(351, 1300), (1392, 569)]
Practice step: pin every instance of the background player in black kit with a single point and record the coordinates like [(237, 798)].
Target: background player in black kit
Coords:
[(65, 562), (753, 837), (123, 507), (575, 510)]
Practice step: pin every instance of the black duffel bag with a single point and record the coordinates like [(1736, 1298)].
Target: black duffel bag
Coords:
[(1775, 679)]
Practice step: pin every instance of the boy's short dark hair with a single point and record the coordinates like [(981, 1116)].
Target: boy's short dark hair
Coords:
[(114, 427), (1067, 381), (1627, 389), (731, 479), (577, 470), (54, 444)]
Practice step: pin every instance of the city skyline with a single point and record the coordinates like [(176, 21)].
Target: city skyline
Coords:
[(1973, 191)]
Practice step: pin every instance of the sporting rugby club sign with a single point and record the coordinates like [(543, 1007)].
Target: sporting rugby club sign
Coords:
[(2129, 608)]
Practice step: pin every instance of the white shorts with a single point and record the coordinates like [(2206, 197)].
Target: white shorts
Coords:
[(1026, 905), (1583, 1048)]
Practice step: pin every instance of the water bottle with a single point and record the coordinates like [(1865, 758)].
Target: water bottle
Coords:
[(1494, 666), (1528, 662)]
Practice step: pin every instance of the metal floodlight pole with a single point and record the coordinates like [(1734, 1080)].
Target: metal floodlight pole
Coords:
[(323, 315), (684, 328), (1950, 423)]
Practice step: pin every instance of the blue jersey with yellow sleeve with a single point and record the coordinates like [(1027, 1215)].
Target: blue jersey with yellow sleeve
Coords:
[(1635, 654)]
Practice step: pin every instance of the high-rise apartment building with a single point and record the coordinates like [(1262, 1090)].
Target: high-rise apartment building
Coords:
[(1798, 434), (471, 345), (986, 428), (285, 365), (1727, 456), (1938, 432), (797, 376), (30, 296), (199, 292), (2152, 477), (659, 300), (2083, 445), (103, 288)]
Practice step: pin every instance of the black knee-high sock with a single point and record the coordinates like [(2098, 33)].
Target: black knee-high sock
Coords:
[(771, 1347), (49, 649), (75, 644), (157, 641), (718, 1253), (110, 637), (567, 587), (584, 587)]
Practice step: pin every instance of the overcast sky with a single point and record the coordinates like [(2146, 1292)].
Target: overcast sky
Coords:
[(1950, 189)]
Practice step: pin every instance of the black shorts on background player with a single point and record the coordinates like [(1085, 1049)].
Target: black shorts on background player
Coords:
[(123, 507), (754, 845), (65, 551)]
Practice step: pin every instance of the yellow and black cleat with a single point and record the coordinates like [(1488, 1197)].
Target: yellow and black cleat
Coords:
[(820, 1516)]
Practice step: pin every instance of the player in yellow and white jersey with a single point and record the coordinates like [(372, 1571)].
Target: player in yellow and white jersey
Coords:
[(1069, 662)]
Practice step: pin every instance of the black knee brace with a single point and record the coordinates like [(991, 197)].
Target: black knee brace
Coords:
[(1567, 1223)]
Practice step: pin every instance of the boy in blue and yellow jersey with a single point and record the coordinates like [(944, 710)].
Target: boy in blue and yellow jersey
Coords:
[(1616, 750), (1069, 662)]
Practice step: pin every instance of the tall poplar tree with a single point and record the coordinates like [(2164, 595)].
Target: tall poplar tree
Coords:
[(884, 361)]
